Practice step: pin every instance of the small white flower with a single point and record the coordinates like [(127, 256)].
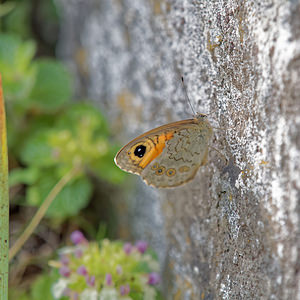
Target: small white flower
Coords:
[(150, 293), (108, 294), (59, 287), (89, 294)]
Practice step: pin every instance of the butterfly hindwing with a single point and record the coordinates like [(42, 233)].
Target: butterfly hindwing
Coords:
[(179, 161), (169, 155)]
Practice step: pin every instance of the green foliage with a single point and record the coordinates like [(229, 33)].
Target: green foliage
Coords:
[(38, 85), (6, 8), (17, 68), (26, 176), (68, 202), (21, 16), (40, 289), (42, 284), (17, 21), (52, 87), (48, 134)]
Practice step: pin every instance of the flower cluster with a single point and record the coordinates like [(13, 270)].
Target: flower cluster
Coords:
[(111, 270)]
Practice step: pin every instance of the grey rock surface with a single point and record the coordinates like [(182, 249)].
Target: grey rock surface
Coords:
[(233, 232)]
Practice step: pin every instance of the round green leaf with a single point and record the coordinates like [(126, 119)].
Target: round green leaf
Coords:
[(37, 150), (72, 198), (16, 67), (52, 87)]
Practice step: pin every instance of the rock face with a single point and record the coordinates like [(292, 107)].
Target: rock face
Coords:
[(233, 232)]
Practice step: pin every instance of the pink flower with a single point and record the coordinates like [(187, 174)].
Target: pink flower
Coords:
[(82, 270), (141, 246), (91, 280), (119, 270), (64, 271), (124, 290), (71, 294), (108, 279), (78, 252), (153, 278), (64, 259), (77, 237), (74, 296), (127, 248), (67, 292)]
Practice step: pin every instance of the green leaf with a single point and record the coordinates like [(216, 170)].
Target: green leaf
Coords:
[(41, 288), (52, 87), (73, 197), (152, 253), (159, 296), (6, 8), (33, 195), (19, 134), (37, 151), (18, 21), (142, 267), (89, 117), (27, 176), (14, 293), (16, 68), (105, 167)]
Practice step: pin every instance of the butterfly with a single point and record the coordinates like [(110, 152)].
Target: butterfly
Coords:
[(169, 155)]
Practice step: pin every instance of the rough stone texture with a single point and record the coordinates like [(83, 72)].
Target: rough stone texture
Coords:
[(233, 232)]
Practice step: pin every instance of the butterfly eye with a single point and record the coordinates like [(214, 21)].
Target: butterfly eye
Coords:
[(140, 151)]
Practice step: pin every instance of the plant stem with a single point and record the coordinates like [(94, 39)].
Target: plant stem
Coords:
[(4, 203), (41, 212)]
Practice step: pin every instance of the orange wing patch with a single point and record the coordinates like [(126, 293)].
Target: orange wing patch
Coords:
[(158, 148)]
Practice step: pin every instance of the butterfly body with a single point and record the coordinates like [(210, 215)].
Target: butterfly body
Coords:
[(169, 155)]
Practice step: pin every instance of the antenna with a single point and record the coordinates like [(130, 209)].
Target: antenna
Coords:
[(187, 96)]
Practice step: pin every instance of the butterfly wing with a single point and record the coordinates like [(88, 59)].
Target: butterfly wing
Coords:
[(180, 160), (169, 155)]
